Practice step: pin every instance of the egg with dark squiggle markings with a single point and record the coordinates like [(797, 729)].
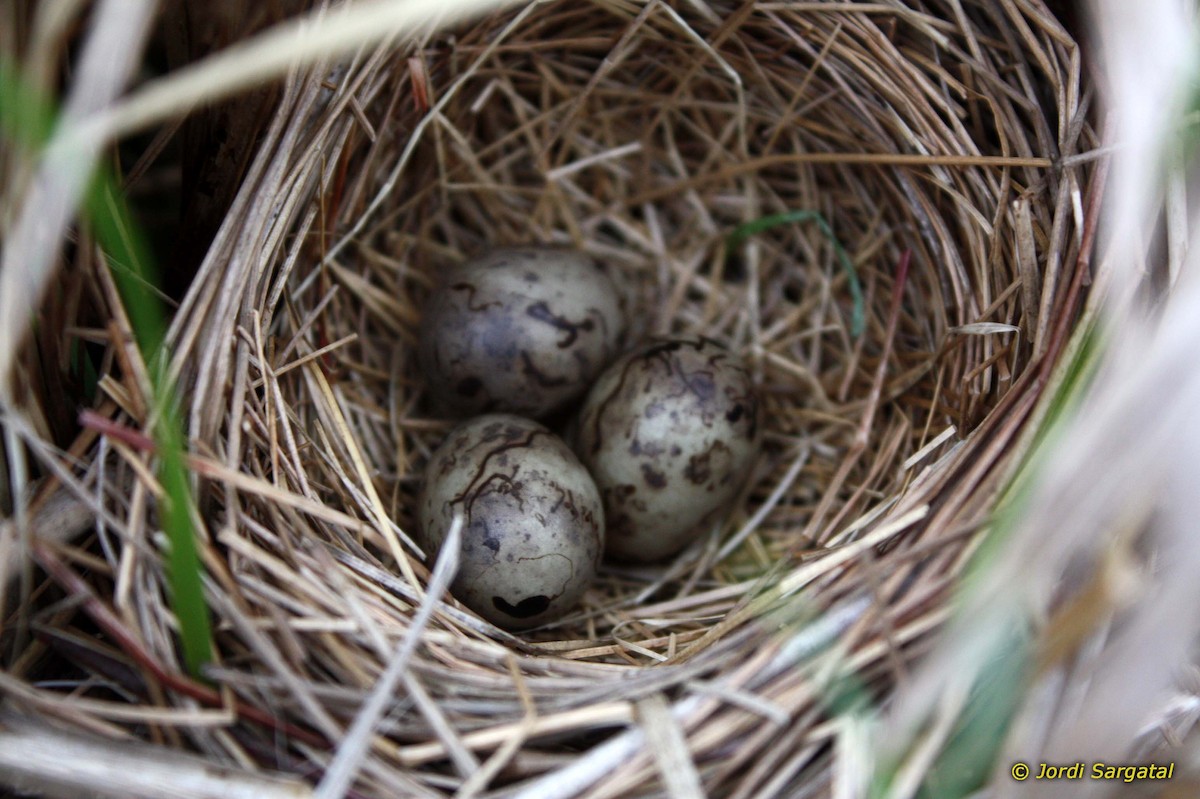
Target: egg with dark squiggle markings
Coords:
[(533, 523), (522, 330), (669, 433)]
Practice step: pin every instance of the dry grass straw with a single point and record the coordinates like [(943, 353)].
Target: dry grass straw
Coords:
[(1103, 554), (948, 135)]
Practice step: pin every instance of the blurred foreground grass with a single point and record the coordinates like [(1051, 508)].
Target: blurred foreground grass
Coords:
[(27, 120)]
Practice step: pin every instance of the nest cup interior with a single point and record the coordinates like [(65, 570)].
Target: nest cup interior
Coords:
[(894, 165), (724, 162)]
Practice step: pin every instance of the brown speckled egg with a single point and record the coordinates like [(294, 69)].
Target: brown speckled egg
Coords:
[(669, 433), (533, 523), (523, 330)]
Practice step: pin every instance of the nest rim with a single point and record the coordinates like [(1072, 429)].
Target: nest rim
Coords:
[(333, 271)]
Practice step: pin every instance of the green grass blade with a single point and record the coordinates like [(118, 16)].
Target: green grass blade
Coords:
[(28, 119), (130, 262), (858, 320)]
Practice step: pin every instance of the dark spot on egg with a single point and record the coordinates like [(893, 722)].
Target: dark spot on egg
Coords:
[(527, 608), (735, 413), (703, 386), (541, 312), (699, 468), (619, 525), (653, 478), (650, 449)]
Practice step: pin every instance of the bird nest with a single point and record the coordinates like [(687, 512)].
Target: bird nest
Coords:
[(881, 207)]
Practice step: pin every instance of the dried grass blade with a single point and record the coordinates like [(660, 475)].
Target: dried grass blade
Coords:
[(606, 714), (63, 764), (767, 506), (667, 743), (108, 59), (291, 45), (383, 522), (588, 769), (355, 746)]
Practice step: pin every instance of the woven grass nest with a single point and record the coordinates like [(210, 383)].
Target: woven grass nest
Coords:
[(934, 143)]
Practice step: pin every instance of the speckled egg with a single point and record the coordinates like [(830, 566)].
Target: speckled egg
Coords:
[(523, 330), (533, 522), (669, 433)]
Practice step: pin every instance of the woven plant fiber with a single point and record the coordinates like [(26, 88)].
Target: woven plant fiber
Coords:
[(886, 209)]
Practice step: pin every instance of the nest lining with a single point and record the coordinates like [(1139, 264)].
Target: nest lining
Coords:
[(929, 136)]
